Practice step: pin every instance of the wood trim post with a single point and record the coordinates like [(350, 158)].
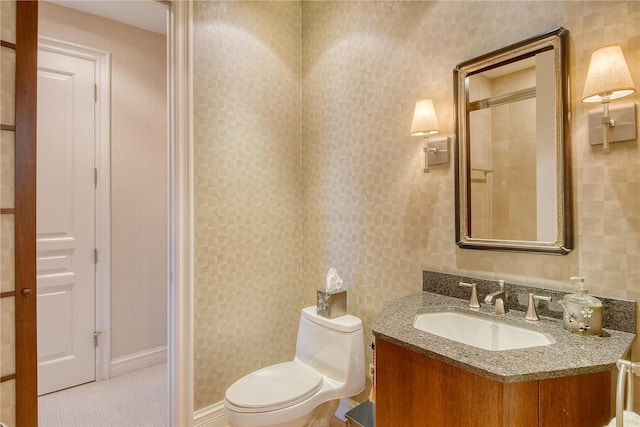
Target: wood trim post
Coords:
[(25, 213)]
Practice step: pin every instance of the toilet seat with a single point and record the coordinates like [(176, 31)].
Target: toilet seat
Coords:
[(274, 387)]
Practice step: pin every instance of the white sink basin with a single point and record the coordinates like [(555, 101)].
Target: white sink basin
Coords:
[(477, 331)]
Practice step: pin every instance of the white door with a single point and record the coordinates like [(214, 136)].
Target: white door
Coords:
[(65, 222)]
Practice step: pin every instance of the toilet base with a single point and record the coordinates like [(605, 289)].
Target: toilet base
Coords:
[(319, 417)]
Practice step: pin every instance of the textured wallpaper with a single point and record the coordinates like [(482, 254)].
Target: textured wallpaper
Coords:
[(368, 209), (247, 189), (365, 207), (7, 169)]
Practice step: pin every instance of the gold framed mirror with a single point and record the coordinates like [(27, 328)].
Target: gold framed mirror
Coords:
[(513, 170)]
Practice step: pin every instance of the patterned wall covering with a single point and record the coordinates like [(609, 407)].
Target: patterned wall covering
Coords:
[(367, 208), (247, 189), (7, 252)]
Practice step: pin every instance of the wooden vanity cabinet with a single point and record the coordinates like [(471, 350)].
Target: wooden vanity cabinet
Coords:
[(414, 390)]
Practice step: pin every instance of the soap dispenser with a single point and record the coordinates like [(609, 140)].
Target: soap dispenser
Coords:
[(582, 312)]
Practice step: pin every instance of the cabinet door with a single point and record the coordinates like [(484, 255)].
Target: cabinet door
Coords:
[(416, 390), (582, 400)]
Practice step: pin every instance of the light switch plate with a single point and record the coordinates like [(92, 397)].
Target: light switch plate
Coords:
[(624, 117)]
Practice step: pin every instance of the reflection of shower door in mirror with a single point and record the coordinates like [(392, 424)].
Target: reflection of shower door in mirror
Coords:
[(65, 222), (512, 151)]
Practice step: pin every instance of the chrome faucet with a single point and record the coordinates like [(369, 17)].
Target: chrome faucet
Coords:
[(498, 299)]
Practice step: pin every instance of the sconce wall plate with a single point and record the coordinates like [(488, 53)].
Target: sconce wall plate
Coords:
[(439, 149), (624, 129)]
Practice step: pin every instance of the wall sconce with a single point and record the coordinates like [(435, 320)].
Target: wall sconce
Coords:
[(425, 123), (608, 78)]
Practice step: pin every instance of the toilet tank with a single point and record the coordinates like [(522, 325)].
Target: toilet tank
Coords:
[(334, 347)]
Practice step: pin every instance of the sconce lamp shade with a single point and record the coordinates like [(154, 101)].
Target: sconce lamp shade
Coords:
[(608, 74), (425, 121)]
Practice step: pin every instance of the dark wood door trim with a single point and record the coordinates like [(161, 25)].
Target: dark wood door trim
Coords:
[(7, 44), (8, 378), (25, 213)]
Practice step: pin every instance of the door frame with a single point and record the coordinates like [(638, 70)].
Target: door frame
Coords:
[(180, 268), (102, 161), (181, 280)]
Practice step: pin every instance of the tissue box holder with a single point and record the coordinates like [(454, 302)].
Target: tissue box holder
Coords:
[(332, 304)]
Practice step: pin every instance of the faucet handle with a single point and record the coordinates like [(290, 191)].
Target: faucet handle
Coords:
[(473, 301), (532, 314), (501, 283)]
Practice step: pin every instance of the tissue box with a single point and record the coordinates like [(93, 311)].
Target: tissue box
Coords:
[(332, 304)]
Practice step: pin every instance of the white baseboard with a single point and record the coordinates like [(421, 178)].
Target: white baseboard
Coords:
[(133, 362), (211, 416)]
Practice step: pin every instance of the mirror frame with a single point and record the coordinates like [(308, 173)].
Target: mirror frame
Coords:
[(557, 39)]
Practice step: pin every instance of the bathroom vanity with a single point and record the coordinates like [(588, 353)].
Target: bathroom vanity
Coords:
[(414, 388), (425, 379)]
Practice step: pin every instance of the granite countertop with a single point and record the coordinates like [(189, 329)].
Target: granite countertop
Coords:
[(572, 354)]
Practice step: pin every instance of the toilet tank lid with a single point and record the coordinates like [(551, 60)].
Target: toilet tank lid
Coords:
[(346, 323)]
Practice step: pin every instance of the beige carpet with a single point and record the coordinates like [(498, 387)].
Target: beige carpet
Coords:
[(138, 399)]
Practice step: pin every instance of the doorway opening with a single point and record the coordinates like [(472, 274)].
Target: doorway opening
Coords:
[(180, 283), (129, 237)]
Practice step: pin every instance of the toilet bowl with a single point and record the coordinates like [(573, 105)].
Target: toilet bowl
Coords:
[(304, 392)]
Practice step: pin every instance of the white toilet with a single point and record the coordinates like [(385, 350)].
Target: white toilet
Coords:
[(328, 365)]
